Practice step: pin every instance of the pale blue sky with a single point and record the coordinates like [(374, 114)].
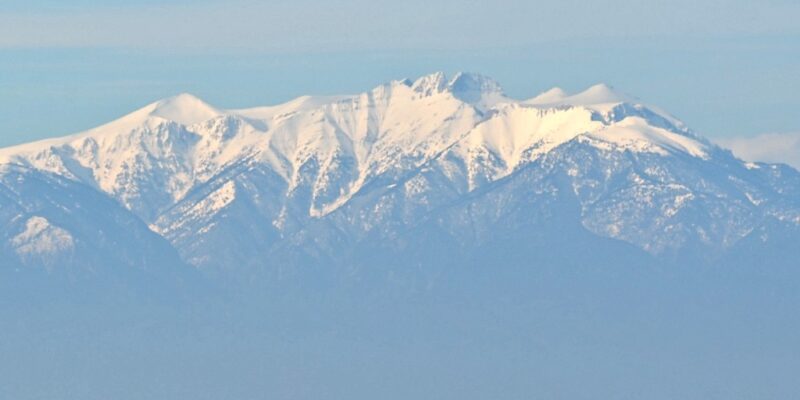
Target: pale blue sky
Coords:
[(727, 67)]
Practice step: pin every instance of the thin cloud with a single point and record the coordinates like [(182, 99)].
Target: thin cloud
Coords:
[(771, 147), (363, 24)]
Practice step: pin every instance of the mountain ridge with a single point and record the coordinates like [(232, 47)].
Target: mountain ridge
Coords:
[(381, 163)]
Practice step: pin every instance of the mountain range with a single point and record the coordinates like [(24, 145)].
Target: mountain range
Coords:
[(406, 182), (425, 239)]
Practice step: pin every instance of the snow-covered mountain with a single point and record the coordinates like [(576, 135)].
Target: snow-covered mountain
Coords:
[(434, 170)]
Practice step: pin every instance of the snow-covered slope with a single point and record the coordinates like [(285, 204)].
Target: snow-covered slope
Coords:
[(317, 177), (59, 226)]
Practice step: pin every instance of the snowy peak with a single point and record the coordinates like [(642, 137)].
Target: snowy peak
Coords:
[(475, 89), (429, 85), (600, 94), (184, 109), (471, 88), (550, 96)]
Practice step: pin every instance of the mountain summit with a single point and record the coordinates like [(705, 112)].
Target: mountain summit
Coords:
[(449, 163), (184, 109)]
